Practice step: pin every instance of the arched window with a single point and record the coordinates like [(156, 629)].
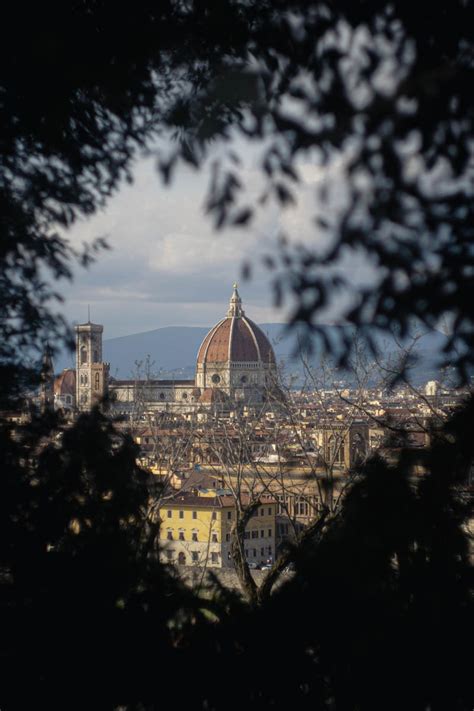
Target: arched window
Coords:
[(83, 355), (181, 558), (97, 381), (335, 450), (358, 448)]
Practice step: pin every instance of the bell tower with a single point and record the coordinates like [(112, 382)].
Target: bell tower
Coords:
[(91, 373)]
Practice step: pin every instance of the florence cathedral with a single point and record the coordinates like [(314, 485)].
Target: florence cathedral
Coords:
[(235, 365)]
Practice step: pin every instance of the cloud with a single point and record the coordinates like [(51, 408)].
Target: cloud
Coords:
[(184, 254), (168, 266)]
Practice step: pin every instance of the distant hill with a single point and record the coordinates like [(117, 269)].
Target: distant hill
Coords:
[(173, 351)]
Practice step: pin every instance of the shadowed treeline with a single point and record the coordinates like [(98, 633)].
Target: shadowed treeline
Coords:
[(90, 619)]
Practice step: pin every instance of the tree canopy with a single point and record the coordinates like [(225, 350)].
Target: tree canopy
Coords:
[(383, 88), (380, 597)]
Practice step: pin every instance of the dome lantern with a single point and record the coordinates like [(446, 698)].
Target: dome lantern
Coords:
[(235, 305)]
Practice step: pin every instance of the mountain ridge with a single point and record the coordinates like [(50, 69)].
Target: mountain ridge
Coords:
[(172, 350)]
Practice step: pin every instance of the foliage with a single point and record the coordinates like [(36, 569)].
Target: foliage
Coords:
[(76, 590), (375, 615), (81, 90), (383, 89)]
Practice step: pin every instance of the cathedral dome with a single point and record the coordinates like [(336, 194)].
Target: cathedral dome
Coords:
[(236, 339)]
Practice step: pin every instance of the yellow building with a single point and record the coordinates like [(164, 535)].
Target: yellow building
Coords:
[(196, 530)]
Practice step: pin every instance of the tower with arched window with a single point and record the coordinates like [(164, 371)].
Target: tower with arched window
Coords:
[(92, 373)]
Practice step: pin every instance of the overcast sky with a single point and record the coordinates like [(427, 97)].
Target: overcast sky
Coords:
[(167, 265)]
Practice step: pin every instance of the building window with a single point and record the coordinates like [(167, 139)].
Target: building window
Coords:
[(214, 516), (214, 537), (269, 511), (216, 379), (229, 515), (195, 556), (215, 557), (170, 513), (181, 535), (262, 533), (227, 537), (181, 558), (247, 535), (169, 535), (254, 552), (181, 514), (254, 534), (269, 549), (162, 396), (282, 503), (336, 450), (97, 381), (194, 536), (262, 551), (185, 396), (83, 355), (301, 506), (195, 514), (262, 512)]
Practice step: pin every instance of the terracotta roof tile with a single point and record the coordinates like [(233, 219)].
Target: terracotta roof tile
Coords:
[(239, 337)]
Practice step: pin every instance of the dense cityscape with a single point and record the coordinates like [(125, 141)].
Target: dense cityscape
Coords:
[(244, 464)]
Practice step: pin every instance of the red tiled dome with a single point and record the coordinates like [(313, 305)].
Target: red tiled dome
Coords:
[(236, 338)]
